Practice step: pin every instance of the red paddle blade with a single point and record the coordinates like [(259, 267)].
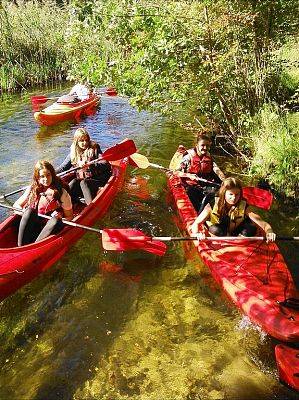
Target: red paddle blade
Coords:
[(258, 197), (38, 100), (120, 150), (111, 92), (131, 239)]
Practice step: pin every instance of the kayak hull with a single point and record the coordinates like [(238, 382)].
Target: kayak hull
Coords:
[(20, 265), (287, 359), (57, 113), (253, 274)]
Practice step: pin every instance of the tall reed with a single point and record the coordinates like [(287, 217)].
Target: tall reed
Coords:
[(31, 43)]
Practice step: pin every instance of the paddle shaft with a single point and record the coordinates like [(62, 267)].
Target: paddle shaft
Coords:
[(157, 166), (211, 238), (254, 196), (65, 221), (116, 152), (43, 99), (4, 196)]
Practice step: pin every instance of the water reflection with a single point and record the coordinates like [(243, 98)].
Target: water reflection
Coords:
[(131, 325)]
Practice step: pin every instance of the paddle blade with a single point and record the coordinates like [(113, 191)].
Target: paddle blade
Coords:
[(120, 150), (36, 100), (138, 160), (131, 239), (258, 197), (111, 92)]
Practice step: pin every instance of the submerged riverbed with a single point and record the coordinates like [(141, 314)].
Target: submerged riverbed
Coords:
[(102, 325)]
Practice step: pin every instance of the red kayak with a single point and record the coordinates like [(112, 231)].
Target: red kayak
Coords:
[(19, 265), (253, 274), (59, 112), (287, 359)]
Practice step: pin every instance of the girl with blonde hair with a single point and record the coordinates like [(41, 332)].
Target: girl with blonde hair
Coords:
[(90, 177)]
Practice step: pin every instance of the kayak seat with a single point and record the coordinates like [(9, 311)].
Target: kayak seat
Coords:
[(291, 302)]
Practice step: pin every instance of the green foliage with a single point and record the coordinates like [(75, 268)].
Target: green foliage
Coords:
[(31, 43), (275, 145)]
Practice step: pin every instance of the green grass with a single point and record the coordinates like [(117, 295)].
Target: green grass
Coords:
[(31, 43)]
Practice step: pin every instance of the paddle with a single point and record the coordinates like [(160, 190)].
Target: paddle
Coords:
[(120, 239), (41, 99), (254, 196), (116, 152), (132, 239)]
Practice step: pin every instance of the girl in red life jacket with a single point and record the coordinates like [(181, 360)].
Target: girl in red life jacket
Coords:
[(229, 214), (198, 163), (90, 177), (46, 195)]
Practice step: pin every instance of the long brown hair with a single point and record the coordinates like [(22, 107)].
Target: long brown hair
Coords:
[(227, 184), (37, 188), (76, 151)]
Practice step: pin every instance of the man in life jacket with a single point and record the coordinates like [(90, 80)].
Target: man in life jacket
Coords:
[(196, 164)]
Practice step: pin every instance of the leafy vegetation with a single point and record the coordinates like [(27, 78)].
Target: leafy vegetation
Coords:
[(275, 145), (228, 66), (31, 43)]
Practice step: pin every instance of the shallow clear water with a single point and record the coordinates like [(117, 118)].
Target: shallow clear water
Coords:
[(102, 325)]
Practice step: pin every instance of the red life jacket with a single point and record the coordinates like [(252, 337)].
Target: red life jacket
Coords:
[(46, 203), (200, 165)]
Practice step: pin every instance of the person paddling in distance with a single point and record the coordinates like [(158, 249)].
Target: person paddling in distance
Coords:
[(47, 195), (198, 163), (229, 215), (81, 91), (91, 176)]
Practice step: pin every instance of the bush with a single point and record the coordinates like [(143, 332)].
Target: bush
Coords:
[(274, 144)]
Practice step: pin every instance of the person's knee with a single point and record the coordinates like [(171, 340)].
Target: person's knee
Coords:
[(248, 230), (217, 230)]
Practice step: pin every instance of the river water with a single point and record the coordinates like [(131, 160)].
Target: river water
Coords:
[(111, 326)]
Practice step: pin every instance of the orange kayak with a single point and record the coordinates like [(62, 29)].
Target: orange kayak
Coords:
[(58, 112)]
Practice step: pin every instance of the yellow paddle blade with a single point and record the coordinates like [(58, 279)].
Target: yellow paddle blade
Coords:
[(177, 158), (139, 160)]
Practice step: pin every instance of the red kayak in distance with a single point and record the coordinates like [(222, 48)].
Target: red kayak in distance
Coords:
[(60, 112), (252, 274), (20, 265), (287, 359)]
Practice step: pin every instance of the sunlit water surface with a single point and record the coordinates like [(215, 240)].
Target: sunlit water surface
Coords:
[(102, 325)]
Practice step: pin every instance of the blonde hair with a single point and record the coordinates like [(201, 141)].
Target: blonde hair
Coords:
[(76, 151), (228, 184)]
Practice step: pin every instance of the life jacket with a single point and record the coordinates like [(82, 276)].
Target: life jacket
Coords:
[(46, 203), (88, 155), (236, 214), (202, 166)]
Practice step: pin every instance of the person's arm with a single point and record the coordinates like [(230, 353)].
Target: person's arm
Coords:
[(202, 217), (67, 207), (182, 171), (218, 171), (22, 201), (267, 228), (65, 165), (68, 214)]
